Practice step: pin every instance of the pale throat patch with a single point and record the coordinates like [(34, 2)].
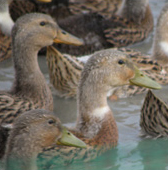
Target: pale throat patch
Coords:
[(164, 47), (100, 112), (6, 22)]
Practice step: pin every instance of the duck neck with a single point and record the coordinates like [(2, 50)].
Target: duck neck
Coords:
[(95, 119), (160, 43), (22, 150), (133, 10), (29, 81)]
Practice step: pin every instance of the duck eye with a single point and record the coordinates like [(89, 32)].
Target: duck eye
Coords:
[(51, 121), (63, 32), (42, 23), (121, 62)]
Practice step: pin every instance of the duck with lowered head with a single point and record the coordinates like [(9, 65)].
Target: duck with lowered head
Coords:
[(31, 132), (96, 125)]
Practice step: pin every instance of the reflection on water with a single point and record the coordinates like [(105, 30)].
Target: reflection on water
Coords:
[(132, 152)]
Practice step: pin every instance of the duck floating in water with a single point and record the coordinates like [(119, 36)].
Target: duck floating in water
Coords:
[(65, 74), (105, 8), (133, 23), (30, 89), (31, 133), (60, 9), (95, 124)]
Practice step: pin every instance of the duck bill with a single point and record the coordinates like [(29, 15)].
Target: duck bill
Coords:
[(45, 1), (69, 139), (142, 80), (67, 38)]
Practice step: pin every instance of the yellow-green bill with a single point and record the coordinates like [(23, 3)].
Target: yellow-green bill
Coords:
[(70, 140), (140, 79)]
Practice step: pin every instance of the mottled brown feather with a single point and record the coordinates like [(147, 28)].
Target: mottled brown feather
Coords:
[(5, 47), (99, 32), (154, 116)]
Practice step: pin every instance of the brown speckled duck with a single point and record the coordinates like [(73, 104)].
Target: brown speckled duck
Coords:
[(132, 24), (96, 125), (30, 90), (31, 133), (105, 8), (154, 117), (60, 9), (66, 83)]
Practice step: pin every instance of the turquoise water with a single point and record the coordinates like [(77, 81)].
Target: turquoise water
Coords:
[(131, 155), (133, 152)]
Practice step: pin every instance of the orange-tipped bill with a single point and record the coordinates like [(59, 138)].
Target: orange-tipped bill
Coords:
[(67, 38)]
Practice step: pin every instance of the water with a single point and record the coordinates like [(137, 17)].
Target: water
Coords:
[(132, 152)]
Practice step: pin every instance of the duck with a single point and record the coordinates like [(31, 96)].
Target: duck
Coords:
[(105, 8), (64, 73), (6, 24), (132, 23), (95, 123), (30, 89), (60, 9), (160, 44), (153, 118), (65, 85), (31, 132)]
